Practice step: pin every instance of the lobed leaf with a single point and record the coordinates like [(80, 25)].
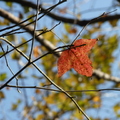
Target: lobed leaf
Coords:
[(76, 58)]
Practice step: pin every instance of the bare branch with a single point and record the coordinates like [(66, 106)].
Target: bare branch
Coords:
[(45, 13), (30, 29), (51, 81), (94, 19), (35, 24), (46, 43), (43, 31), (9, 66), (64, 19), (73, 91), (105, 76)]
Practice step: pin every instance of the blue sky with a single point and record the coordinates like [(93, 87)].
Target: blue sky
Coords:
[(108, 97)]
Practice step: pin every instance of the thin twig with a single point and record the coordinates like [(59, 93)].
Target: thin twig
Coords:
[(94, 19), (43, 32), (9, 66), (50, 46), (32, 45), (13, 33), (51, 81), (20, 24), (73, 91)]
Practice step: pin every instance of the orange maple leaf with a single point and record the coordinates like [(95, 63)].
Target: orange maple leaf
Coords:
[(76, 57), (36, 51)]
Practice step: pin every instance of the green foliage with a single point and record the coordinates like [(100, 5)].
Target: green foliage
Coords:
[(24, 47), (11, 38), (2, 95), (4, 22), (1, 53), (67, 27), (113, 23), (50, 36), (15, 105), (15, 55), (9, 4), (26, 9), (3, 76), (29, 16), (47, 105), (103, 52), (117, 109)]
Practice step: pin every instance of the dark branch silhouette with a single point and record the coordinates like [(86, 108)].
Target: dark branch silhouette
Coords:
[(49, 45), (64, 19)]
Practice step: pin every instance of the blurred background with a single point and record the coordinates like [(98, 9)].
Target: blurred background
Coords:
[(59, 22)]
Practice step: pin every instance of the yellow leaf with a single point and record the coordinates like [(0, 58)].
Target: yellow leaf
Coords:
[(62, 97), (2, 95), (15, 55), (14, 106), (96, 99), (49, 99), (39, 117), (113, 22)]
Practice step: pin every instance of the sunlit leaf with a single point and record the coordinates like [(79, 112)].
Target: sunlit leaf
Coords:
[(4, 22), (76, 57), (49, 99), (3, 76), (29, 16), (26, 9), (24, 47), (72, 30), (11, 38), (37, 91), (37, 77), (2, 95), (15, 55), (18, 101), (67, 27), (36, 51), (14, 106), (1, 53), (9, 4), (62, 97), (113, 22), (96, 99), (39, 117)]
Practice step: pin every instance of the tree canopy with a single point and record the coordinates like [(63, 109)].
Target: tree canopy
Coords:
[(34, 35)]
